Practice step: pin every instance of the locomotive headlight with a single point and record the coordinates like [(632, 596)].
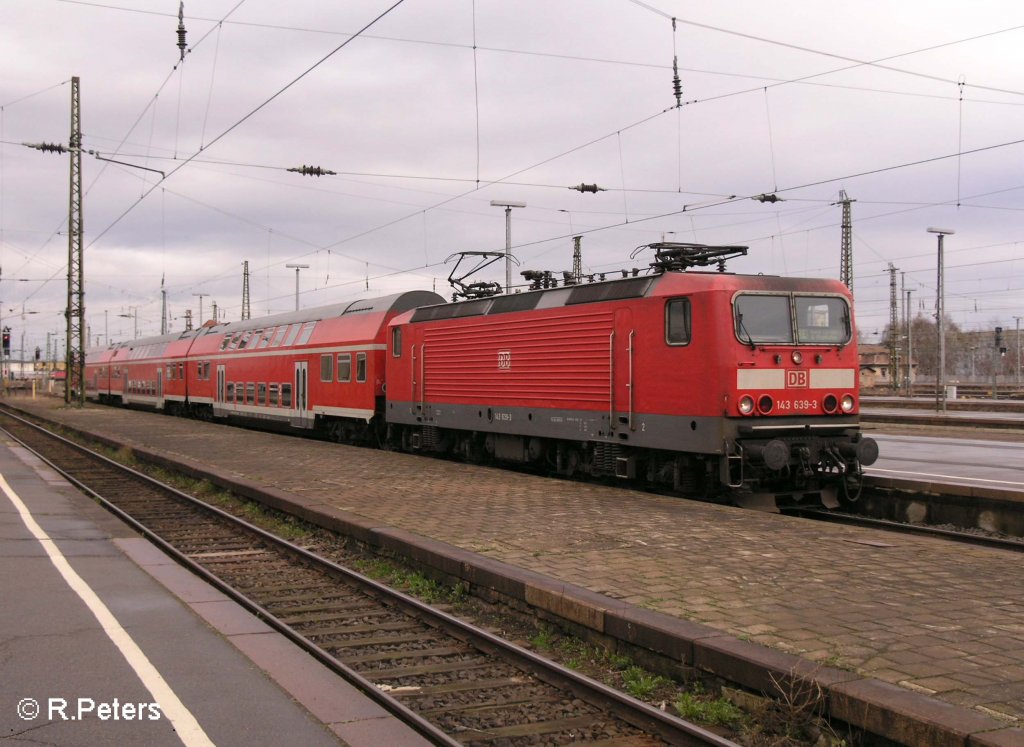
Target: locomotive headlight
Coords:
[(797, 357), (746, 404), (847, 403)]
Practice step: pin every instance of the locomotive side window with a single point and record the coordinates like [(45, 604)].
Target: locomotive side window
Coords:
[(344, 367), (677, 322), (327, 367), (360, 367), (822, 319), (396, 342), (763, 318)]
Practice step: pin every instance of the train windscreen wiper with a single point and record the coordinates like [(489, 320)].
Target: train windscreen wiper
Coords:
[(743, 331)]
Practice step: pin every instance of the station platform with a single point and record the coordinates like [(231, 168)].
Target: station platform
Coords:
[(914, 639), (105, 640)]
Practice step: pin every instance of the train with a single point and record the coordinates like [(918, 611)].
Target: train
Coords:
[(728, 387)]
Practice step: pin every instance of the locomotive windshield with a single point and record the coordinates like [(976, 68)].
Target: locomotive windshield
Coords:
[(791, 319)]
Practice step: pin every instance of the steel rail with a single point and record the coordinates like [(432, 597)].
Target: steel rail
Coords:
[(673, 729)]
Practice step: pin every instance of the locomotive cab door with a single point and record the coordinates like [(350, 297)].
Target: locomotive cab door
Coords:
[(159, 387), (622, 395), (301, 403)]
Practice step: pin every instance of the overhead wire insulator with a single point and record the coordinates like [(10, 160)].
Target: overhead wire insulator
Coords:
[(588, 188), (181, 29), (47, 147), (768, 198), (312, 171), (677, 84)]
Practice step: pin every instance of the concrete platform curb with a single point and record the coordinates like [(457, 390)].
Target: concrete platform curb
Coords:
[(903, 716)]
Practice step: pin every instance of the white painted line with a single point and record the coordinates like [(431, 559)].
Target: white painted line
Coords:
[(184, 723), (873, 470)]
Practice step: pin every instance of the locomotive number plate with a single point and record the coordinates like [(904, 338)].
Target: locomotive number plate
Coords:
[(803, 405)]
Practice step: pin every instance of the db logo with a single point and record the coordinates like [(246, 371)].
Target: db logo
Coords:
[(504, 359), (796, 379)]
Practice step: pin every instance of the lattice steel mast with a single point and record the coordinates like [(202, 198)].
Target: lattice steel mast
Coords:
[(846, 253), (894, 331), (246, 314), (74, 390)]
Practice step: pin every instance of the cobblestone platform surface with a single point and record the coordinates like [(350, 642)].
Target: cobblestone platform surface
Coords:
[(929, 616)]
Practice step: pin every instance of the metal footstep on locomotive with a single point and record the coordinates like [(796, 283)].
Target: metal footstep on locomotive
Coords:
[(450, 681), (727, 387)]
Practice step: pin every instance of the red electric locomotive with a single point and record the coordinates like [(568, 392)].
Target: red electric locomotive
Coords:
[(709, 383)]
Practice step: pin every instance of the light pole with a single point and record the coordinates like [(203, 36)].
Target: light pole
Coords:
[(1018, 350), (910, 351), (940, 311), (297, 268), (508, 238)]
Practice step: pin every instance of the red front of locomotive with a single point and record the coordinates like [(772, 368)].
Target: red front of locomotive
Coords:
[(793, 399)]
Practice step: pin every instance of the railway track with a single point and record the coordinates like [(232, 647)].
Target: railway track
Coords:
[(970, 538), (452, 682)]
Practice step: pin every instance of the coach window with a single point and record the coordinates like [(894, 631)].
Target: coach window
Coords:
[(327, 367), (293, 332), (230, 396), (396, 341), (307, 332), (286, 395), (360, 367), (278, 336), (261, 394), (345, 367), (275, 394), (250, 394), (677, 321)]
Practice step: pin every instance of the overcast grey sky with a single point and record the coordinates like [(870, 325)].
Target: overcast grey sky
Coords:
[(440, 106)]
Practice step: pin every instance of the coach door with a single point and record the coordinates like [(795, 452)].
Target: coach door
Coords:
[(221, 392), (301, 404)]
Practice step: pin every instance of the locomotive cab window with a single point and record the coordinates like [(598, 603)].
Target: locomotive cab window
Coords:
[(677, 321), (822, 319), (763, 318), (396, 342), (360, 367)]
